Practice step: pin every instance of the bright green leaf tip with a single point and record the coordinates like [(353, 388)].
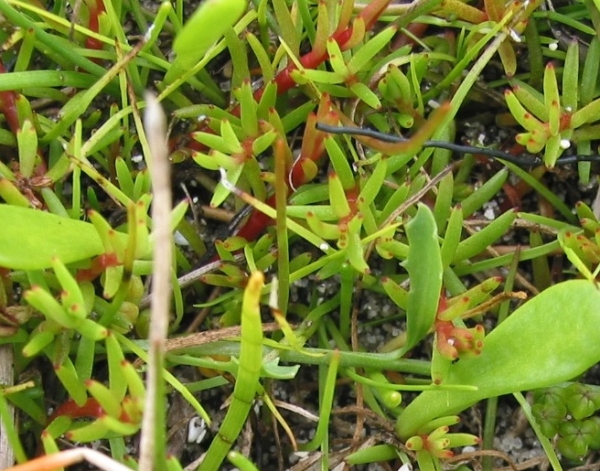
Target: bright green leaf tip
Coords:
[(206, 26)]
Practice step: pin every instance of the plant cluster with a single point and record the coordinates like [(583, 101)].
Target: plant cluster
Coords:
[(568, 411), (399, 222)]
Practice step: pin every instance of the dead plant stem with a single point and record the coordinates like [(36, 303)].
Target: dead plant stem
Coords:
[(152, 426)]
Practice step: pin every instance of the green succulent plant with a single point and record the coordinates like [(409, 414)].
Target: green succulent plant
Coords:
[(554, 121), (418, 231), (568, 413)]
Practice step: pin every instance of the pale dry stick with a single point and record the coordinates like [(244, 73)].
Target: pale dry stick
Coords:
[(194, 464), (216, 214), (517, 223), (195, 275), (587, 467), (307, 462), (296, 409), (7, 455), (512, 466), (209, 336), (470, 459), (69, 458), (156, 131), (393, 9)]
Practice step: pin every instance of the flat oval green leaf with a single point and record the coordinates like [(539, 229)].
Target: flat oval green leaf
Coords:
[(552, 338), (30, 239), (424, 265)]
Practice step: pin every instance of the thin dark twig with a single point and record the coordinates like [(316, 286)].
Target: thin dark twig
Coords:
[(525, 160)]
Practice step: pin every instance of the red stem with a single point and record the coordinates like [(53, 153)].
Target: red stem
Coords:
[(257, 221), (94, 24), (90, 409), (8, 106)]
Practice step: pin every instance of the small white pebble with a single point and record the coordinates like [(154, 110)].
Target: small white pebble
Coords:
[(489, 214), (179, 239), (196, 430), (433, 104), (565, 143), (136, 159), (405, 467), (553, 46), (324, 246)]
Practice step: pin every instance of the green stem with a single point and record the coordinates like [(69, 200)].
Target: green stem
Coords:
[(313, 356)]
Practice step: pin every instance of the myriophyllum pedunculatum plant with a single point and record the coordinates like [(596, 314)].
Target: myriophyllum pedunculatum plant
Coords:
[(432, 442), (496, 11), (555, 121)]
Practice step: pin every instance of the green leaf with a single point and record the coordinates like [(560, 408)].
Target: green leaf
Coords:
[(272, 369), (369, 50), (589, 76), (365, 94), (206, 26), (549, 417), (531, 98), (248, 377), (30, 239), (340, 163), (28, 142), (424, 265), (570, 78), (594, 441), (483, 239), (581, 400), (539, 345), (574, 438), (552, 98)]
